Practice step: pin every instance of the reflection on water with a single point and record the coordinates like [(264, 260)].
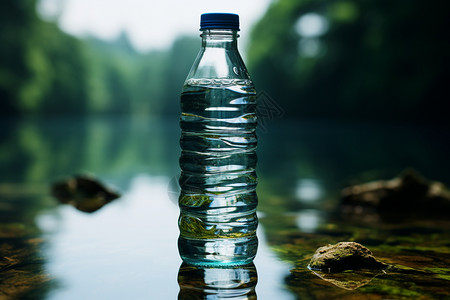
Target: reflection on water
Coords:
[(308, 220), (217, 283), (38, 151), (128, 250), (308, 190), (349, 280)]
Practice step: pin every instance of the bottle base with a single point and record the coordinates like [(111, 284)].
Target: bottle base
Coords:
[(220, 252), (216, 264)]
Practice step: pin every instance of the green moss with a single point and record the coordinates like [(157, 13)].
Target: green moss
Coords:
[(442, 273), (197, 200), (392, 290), (445, 277)]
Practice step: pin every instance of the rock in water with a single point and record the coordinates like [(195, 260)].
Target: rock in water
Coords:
[(344, 256), (409, 192), (83, 192)]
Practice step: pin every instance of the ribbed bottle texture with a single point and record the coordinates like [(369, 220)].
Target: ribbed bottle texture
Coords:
[(218, 180)]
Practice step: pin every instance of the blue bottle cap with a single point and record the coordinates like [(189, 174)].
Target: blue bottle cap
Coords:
[(219, 21)]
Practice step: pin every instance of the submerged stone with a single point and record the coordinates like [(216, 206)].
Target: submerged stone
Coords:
[(83, 192), (409, 192), (344, 256)]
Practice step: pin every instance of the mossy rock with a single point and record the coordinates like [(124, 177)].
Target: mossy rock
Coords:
[(344, 256)]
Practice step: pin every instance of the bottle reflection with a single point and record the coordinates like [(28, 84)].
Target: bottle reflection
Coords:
[(217, 283)]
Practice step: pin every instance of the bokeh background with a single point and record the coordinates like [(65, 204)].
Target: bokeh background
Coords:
[(377, 62), (358, 60), (352, 91)]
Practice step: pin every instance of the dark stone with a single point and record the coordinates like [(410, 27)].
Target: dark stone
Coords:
[(344, 256), (409, 192), (83, 192)]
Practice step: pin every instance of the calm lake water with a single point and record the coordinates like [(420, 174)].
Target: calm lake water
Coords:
[(128, 248)]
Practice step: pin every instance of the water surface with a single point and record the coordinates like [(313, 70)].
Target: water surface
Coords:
[(128, 249)]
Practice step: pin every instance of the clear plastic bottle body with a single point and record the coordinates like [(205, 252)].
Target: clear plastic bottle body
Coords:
[(218, 140)]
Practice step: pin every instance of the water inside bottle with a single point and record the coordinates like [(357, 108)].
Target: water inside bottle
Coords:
[(218, 180)]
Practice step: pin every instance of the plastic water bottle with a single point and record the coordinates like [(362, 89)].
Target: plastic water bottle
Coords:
[(218, 141)]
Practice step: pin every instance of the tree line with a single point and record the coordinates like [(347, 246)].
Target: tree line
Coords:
[(45, 71), (371, 59)]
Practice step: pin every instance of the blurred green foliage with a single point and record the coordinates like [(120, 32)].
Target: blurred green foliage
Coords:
[(45, 71), (376, 59), (16, 20), (42, 69), (342, 59)]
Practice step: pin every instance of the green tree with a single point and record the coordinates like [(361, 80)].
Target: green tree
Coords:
[(58, 84), (181, 56), (16, 27), (42, 69), (375, 59)]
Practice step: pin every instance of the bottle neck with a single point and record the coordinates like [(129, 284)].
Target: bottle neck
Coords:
[(219, 38)]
